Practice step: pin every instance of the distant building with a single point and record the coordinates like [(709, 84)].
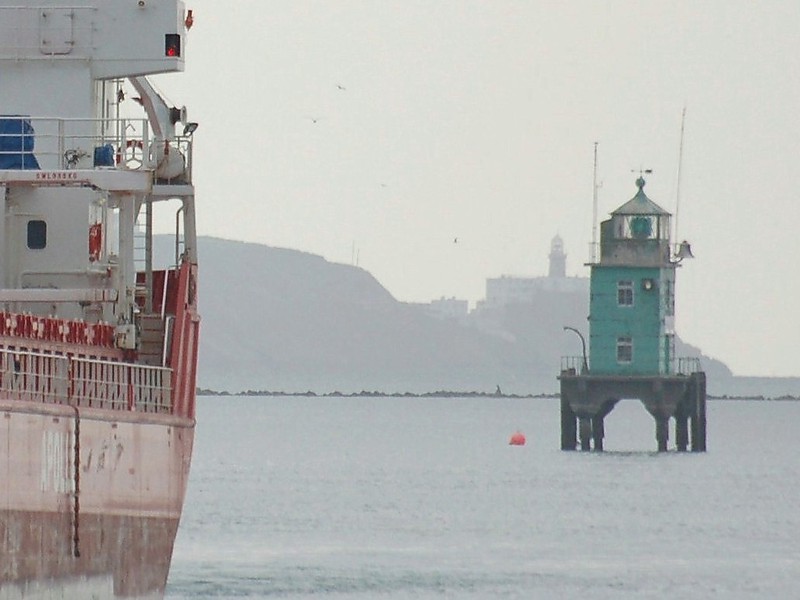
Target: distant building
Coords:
[(508, 289), (558, 259), (448, 308)]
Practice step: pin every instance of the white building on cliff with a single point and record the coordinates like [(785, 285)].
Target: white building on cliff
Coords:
[(508, 289)]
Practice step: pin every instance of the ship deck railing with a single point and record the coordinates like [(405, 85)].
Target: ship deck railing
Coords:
[(112, 143), (84, 382)]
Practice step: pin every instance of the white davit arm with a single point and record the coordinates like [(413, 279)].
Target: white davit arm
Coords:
[(161, 116)]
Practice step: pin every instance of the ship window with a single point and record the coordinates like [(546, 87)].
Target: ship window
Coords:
[(37, 235), (624, 350), (625, 293)]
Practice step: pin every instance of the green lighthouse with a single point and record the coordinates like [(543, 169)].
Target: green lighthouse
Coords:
[(632, 292), (631, 336)]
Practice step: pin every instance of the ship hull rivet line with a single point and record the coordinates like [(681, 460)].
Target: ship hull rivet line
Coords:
[(76, 508)]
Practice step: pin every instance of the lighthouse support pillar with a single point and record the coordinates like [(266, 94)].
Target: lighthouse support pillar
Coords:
[(586, 400)]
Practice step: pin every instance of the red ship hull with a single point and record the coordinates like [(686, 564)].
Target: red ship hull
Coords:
[(117, 540)]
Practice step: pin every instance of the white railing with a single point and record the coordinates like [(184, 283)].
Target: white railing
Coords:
[(687, 365), (84, 382), (574, 365), (71, 143), (35, 377), (63, 144)]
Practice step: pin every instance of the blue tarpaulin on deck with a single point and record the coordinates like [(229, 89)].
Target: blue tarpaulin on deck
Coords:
[(16, 143)]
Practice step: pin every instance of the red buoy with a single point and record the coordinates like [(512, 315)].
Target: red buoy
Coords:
[(518, 439)]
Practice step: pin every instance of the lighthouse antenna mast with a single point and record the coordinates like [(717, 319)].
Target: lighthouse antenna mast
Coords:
[(678, 176), (594, 208)]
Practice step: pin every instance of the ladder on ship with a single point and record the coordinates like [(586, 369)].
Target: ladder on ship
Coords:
[(151, 339)]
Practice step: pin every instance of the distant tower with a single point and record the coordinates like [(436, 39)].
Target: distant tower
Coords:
[(558, 260), (631, 340)]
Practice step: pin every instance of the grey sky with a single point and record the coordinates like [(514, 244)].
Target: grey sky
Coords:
[(394, 127)]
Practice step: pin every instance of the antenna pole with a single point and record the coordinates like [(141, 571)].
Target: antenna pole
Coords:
[(678, 185), (594, 208)]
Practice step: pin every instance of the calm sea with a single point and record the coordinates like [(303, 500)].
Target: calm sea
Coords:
[(423, 498)]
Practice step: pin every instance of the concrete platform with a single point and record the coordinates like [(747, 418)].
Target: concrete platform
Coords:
[(586, 399)]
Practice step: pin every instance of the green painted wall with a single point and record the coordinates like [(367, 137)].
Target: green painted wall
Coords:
[(643, 321)]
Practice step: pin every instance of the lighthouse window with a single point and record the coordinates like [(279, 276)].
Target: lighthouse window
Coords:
[(625, 293), (624, 350), (641, 228), (37, 235)]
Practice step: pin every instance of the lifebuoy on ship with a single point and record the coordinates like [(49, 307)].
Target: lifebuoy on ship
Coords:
[(95, 241), (132, 155)]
